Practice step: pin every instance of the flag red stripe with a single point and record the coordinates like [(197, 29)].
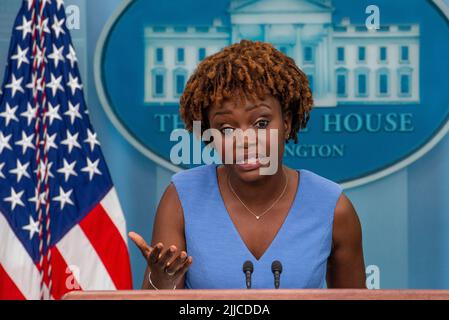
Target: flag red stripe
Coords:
[(101, 231), (8, 289)]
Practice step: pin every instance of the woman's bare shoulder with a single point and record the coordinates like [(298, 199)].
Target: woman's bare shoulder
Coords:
[(170, 204)]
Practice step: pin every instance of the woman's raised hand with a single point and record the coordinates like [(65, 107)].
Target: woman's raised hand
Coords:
[(166, 266)]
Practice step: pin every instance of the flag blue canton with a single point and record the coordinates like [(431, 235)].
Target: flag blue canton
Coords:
[(77, 174)]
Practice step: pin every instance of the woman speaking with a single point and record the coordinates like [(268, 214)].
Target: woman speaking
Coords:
[(214, 218)]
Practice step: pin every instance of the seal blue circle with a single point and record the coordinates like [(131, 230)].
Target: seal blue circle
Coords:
[(382, 96)]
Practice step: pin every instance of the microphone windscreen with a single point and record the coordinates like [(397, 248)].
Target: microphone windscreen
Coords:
[(276, 266), (248, 266)]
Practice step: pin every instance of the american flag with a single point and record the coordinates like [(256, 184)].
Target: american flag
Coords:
[(61, 225)]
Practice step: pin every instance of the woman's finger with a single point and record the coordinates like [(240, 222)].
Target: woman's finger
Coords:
[(184, 268), (167, 255), (145, 249), (177, 263), (155, 253)]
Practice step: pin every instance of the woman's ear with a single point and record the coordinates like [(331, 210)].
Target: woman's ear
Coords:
[(287, 119)]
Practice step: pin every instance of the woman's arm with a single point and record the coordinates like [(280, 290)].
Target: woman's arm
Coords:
[(346, 266), (168, 233)]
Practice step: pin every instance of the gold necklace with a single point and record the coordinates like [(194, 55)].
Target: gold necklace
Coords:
[(272, 205)]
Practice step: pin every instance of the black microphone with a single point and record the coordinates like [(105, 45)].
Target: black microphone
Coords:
[(248, 269), (276, 268)]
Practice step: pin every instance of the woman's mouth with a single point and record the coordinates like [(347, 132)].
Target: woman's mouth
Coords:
[(251, 163)]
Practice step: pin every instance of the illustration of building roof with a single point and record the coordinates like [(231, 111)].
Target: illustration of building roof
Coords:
[(308, 5)]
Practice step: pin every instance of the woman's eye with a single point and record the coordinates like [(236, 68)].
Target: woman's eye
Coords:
[(227, 131), (262, 124)]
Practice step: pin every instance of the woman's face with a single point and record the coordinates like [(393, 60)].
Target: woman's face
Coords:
[(256, 115)]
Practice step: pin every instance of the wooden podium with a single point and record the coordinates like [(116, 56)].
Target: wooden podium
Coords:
[(253, 294)]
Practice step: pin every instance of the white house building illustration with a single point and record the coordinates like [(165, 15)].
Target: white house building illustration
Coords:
[(345, 63)]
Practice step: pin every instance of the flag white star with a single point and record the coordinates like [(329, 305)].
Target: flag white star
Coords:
[(4, 142), (42, 170), (68, 170), (26, 142), (43, 25), (57, 55), (9, 114), (74, 84), (73, 112), (21, 56), (30, 114), (25, 27), (40, 56), (35, 84), (71, 141), (50, 142), (35, 199), (92, 168), (15, 85), (59, 3), (58, 26), (30, 4), (64, 198), (52, 113), (91, 139), (32, 227), (15, 199), (72, 56), (21, 170), (45, 2), (1, 170), (55, 84)]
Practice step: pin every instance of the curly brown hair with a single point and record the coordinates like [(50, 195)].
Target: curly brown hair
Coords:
[(247, 70)]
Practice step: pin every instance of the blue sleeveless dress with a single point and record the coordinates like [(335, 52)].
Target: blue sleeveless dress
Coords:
[(302, 245)]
